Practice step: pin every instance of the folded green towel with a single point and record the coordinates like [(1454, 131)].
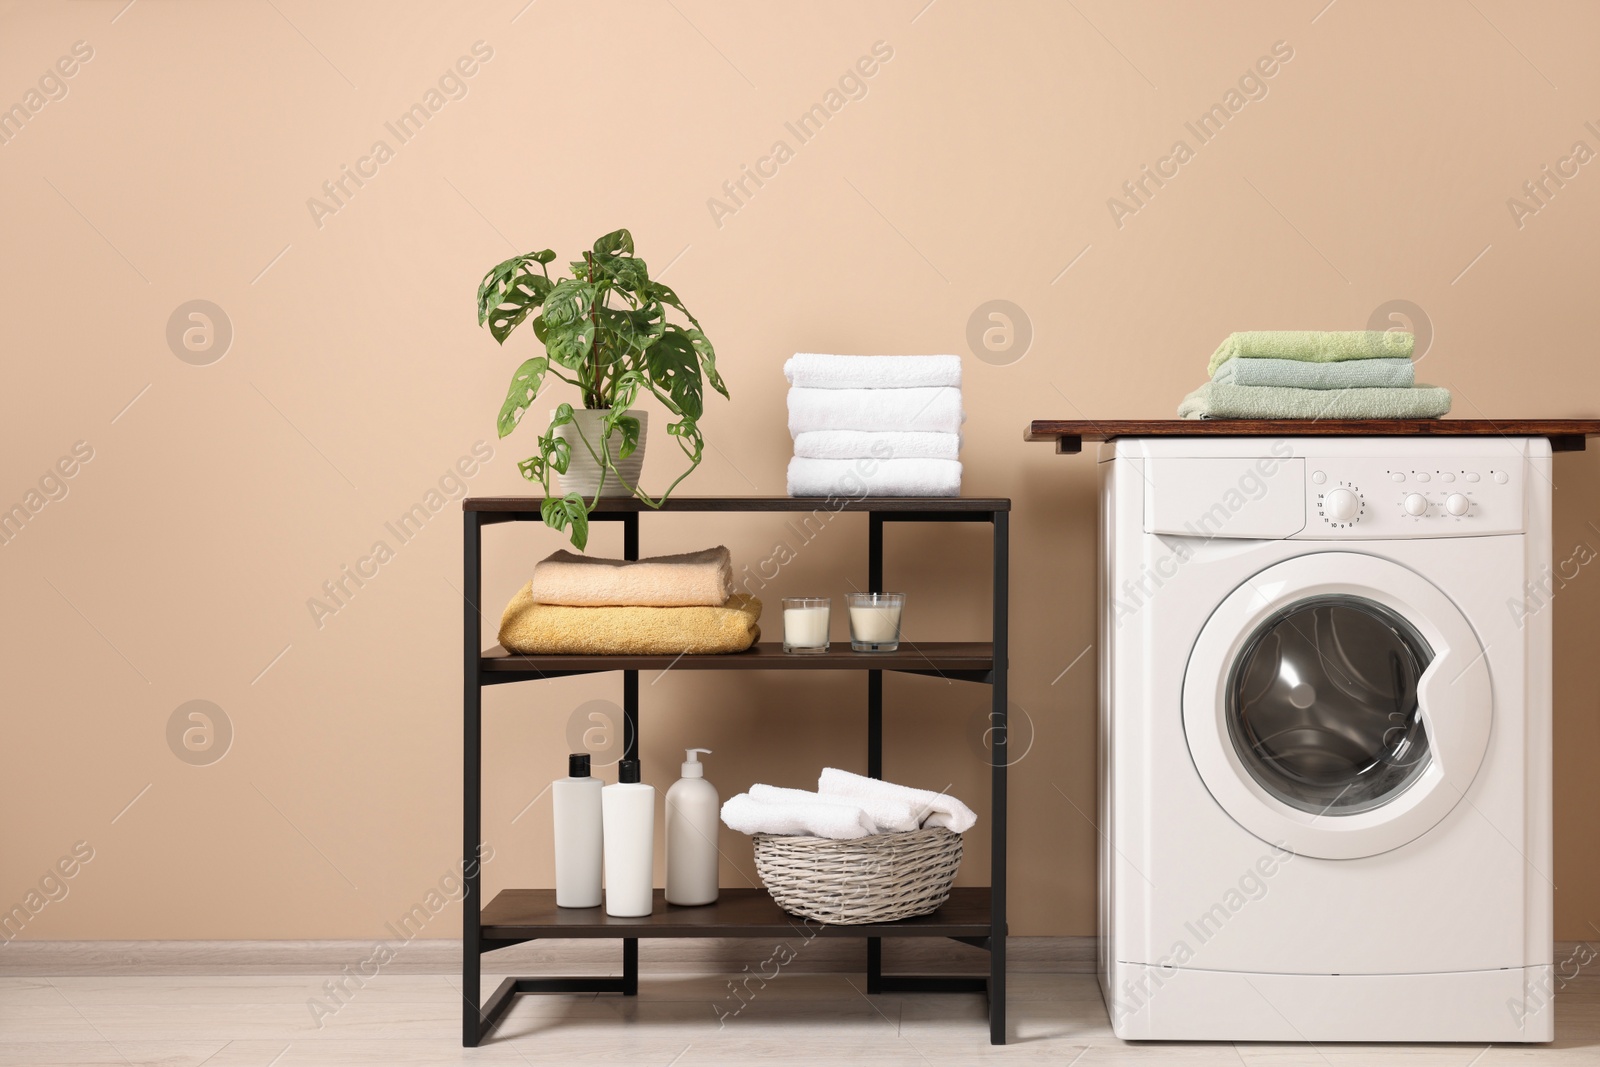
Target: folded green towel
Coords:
[(1350, 374), (1218, 400), (1313, 346)]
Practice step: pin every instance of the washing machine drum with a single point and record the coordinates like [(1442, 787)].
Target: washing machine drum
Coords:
[(1337, 705)]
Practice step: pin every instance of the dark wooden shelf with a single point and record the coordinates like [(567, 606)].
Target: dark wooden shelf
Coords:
[(883, 504), (975, 916), (963, 660), (520, 914), (1566, 435)]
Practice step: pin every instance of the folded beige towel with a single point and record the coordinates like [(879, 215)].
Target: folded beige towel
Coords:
[(684, 580), (538, 629)]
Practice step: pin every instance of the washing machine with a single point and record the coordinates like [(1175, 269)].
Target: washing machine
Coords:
[(1325, 763)]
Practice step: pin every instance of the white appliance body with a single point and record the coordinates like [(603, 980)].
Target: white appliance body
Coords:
[(1325, 704)]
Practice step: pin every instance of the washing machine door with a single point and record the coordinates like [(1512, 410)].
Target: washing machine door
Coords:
[(1337, 705)]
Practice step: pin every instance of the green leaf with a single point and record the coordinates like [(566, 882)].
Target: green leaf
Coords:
[(515, 301), (628, 273), (613, 242), (562, 416), (663, 293), (628, 427), (622, 326), (511, 282), (560, 512), (568, 301), (674, 367), (708, 359), (556, 452), (571, 343), (525, 385)]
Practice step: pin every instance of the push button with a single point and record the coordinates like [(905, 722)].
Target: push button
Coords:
[(1447, 477), (1421, 476), (1396, 476), (1501, 477), (1318, 477), (1471, 476)]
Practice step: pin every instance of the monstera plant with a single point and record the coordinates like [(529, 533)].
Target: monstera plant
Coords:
[(605, 331)]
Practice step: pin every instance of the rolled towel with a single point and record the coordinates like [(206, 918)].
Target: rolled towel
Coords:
[(883, 814), (937, 410), (1313, 346), (879, 444), (688, 579), (812, 371), (535, 629), (838, 822), (1218, 400), (934, 809), (874, 477), (1350, 374)]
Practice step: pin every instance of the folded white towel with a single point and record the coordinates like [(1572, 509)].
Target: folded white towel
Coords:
[(838, 822), (938, 410), (813, 371), (874, 477), (883, 814), (936, 809), (879, 444)]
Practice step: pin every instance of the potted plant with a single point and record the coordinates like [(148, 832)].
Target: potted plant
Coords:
[(604, 330)]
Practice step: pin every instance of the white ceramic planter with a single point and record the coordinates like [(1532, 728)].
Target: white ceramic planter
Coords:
[(583, 472)]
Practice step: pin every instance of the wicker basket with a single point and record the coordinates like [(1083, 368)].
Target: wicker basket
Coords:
[(867, 880)]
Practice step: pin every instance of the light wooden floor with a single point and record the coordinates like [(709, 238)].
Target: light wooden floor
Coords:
[(409, 1020)]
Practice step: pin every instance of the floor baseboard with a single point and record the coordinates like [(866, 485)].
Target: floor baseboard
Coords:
[(440, 956), (715, 955)]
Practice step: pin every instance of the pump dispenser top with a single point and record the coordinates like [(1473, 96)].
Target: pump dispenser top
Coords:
[(692, 767)]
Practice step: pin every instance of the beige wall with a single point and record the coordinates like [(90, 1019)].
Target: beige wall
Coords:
[(978, 166)]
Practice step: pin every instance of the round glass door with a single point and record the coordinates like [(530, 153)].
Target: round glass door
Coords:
[(1322, 705), (1337, 704)]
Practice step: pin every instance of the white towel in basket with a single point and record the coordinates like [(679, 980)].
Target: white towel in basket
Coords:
[(839, 822), (884, 814), (936, 809)]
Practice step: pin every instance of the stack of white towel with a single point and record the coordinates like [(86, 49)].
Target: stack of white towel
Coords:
[(845, 806), (875, 425)]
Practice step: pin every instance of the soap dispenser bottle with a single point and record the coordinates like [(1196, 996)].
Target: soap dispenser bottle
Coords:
[(692, 818), (628, 811), (576, 800)]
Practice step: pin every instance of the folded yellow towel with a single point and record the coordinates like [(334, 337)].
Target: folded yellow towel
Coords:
[(687, 579), (538, 629)]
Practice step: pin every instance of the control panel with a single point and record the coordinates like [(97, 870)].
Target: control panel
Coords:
[(1371, 498)]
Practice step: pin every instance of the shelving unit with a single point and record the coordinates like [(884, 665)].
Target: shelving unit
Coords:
[(972, 915)]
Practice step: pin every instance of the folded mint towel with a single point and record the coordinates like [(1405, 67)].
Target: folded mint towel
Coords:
[(1350, 374), (1313, 346), (1219, 400)]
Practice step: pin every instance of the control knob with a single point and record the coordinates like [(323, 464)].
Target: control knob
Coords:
[(1341, 505), (1415, 504), (1457, 504)]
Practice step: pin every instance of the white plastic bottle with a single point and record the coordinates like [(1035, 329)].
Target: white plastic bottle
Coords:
[(628, 811), (692, 819), (576, 800)]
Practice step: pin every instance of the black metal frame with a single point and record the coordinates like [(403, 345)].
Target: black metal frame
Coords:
[(477, 1022)]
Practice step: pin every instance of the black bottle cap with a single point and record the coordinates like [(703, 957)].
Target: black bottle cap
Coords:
[(578, 765), (628, 771)]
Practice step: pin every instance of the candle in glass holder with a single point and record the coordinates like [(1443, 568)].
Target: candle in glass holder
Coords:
[(875, 621), (805, 624)]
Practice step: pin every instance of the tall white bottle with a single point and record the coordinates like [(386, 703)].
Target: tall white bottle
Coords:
[(576, 800), (692, 819), (628, 810)]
